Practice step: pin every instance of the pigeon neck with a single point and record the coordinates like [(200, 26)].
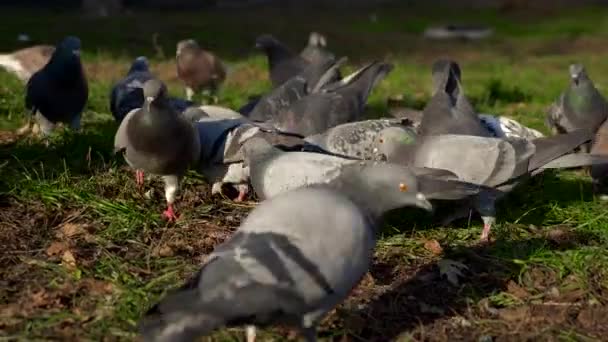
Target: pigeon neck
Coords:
[(278, 53), (65, 69)]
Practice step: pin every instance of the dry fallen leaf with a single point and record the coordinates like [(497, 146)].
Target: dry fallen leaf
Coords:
[(56, 248), (433, 246), (69, 230), (68, 260), (163, 251), (98, 287)]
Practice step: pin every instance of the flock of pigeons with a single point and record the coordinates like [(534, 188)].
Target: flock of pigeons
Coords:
[(326, 176)]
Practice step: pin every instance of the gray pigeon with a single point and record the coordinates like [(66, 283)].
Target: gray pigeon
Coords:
[(354, 139), (127, 94), (273, 171), (599, 172), (316, 51), (580, 106), (340, 102), (198, 69), (286, 265), (310, 80), (157, 139), (449, 111), (59, 91), (26, 62), (283, 63), (492, 162)]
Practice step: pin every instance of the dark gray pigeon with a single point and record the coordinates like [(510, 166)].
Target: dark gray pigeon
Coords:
[(158, 140), (316, 51), (273, 171), (340, 102), (492, 162), (285, 265), (354, 139), (580, 106), (25, 62), (283, 63), (449, 111), (199, 69), (127, 94), (59, 91), (311, 80)]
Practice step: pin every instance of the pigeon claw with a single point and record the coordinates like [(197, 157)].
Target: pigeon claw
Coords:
[(485, 233), (170, 214), (139, 177), (241, 197)]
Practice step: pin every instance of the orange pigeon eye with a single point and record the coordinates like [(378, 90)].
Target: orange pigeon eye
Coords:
[(403, 187), (381, 140)]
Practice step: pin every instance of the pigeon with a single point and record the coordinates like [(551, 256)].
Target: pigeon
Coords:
[(127, 94), (340, 102), (285, 265), (599, 172), (354, 139), (315, 52), (310, 80), (198, 69), (580, 106), (497, 126), (449, 111), (248, 107), (492, 162), (59, 91), (272, 171), (283, 63), (25, 62), (157, 139)]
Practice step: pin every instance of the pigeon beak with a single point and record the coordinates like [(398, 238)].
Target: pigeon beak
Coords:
[(76, 53), (375, 150), (258, 45), (149, 99), (575, 78), (423, 203)]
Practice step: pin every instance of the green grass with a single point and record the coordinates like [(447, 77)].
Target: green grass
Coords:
[(551, 234)]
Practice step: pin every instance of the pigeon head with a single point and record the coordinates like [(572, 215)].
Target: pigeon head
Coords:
[(390, 141), (140, 64), (317, 39), (577, 73), (187, 44), (154, 91), (65, 61), (253, 148), (446, 76), (266, 42), (381, 187)]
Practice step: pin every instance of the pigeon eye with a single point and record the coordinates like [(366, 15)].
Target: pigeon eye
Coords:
[(402, 187), (381, 140)]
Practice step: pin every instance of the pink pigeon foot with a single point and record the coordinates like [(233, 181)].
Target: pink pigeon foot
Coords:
[(139, 177), (241, 197), (169, 214), (485, 233)]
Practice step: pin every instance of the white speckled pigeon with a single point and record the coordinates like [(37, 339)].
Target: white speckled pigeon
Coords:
[(285, 265), (449, 111), (157, 139), (580, 106), (273, 171), (354, 139), (283, 63), (340, 102), (127, 94), (492, 162), (25, 62), (58, 92), (316, 50), (312, 79)]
